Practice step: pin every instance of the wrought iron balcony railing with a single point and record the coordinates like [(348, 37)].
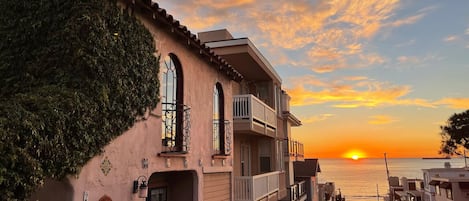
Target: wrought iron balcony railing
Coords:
[(225, 141), (176, 127)]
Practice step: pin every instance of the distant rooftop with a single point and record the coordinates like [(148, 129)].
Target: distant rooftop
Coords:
[(308, 168)]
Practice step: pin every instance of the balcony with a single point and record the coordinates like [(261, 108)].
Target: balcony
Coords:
[(176, 128), (297, 191), (253, 116), (227, 137), (251, 188), (294, 150)]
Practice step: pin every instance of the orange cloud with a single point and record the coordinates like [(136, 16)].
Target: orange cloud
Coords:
[(381, 119), (326, 53), (456, 103), (224, 4), (354, 48), (365, 17), (326, 68), (313, 119), (351, 93), (203, 22), (333, 28), (355, 78)]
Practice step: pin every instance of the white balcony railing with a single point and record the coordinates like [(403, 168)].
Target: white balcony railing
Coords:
[(297, 191), (249, 188), (294, 149), (248, 107)]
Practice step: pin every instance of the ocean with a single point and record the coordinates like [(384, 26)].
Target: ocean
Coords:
[(365, 179)]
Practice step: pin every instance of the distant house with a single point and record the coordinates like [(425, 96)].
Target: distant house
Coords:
[(444, 184), (327, 191), (307, 171), (406, 189)]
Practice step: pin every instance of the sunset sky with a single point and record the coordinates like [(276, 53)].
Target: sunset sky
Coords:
[(364, 76)]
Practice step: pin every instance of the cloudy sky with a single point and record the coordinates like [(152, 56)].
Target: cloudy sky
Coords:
[(368, 76)]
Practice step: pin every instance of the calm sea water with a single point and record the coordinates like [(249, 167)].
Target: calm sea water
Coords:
[(364, 179)]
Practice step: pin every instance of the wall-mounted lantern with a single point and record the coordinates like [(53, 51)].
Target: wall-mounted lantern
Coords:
[(141, 188)]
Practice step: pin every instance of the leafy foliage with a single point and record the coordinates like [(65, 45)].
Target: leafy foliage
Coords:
[(75, 74), (456, 133)]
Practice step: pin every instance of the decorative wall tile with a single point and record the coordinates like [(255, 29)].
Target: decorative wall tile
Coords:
[(106, 166)]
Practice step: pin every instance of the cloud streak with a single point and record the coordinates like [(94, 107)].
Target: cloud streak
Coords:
[(455, 103), (361, 91), (351, 92), (317, 118), (381, 119), (450, 38), (407, 21)]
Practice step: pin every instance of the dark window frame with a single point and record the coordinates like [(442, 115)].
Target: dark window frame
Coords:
[(219, 133), (173, 107)]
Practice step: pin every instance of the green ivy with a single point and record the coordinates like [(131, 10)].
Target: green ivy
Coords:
[(75, 74)]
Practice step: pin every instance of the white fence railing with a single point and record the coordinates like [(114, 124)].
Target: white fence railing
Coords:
[(248, 188), (297, 190)]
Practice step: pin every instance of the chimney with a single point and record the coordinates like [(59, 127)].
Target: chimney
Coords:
[(215, 35)]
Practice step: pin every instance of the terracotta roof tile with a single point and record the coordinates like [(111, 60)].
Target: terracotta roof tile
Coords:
[(159, 14)]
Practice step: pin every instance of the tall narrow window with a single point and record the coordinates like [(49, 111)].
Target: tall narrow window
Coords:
[(218, 120), (173, 109)]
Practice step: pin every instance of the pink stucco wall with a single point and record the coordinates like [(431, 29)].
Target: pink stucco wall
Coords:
[(143, 140)]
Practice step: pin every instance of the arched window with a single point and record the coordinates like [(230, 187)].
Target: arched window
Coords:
[(174, 111), (218, 120)]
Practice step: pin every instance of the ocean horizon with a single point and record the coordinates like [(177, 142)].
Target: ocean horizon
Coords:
[(366, 179)]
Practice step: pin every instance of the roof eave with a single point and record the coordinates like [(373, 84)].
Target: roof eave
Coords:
[(152, 9)]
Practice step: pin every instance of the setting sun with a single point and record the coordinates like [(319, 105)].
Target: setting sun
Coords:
[(354, 155)]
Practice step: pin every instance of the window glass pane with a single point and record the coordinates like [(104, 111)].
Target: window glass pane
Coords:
[(216, 120), (168, 98)]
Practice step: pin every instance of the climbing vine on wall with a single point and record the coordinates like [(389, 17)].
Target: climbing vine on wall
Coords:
[(74, 74)]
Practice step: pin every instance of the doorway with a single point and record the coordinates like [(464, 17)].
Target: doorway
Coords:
[(245, 160)]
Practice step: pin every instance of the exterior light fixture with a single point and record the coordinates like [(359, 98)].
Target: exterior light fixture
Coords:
[(141, 188)]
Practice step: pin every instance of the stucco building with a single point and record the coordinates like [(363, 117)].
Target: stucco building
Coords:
[(264, 150), (406, 189), (222, 130), (445, 184), (184, 145)]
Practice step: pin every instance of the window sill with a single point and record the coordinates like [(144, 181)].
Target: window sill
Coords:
[(181, 154), (220, 156)]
